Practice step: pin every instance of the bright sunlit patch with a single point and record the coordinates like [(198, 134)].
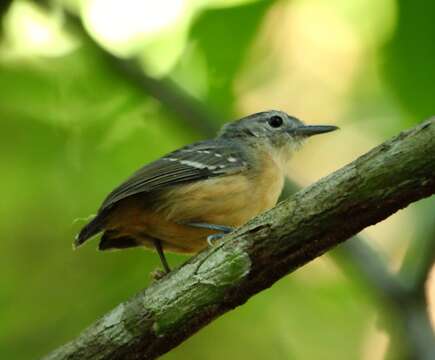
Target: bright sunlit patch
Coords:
[(29, 30), (119, 24), (224, 3), (430, 293), (37, 32), (155, 31)]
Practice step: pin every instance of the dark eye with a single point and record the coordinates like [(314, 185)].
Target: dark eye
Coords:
[(275, 121)]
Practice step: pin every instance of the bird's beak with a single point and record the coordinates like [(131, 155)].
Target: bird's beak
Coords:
[(310, 130)]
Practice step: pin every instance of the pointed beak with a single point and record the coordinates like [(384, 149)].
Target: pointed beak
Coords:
[(310, 130)]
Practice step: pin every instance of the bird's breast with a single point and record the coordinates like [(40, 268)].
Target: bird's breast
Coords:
[(228, 200), (224, 200)]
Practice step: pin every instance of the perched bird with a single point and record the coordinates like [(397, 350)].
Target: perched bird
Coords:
[(195, 194)]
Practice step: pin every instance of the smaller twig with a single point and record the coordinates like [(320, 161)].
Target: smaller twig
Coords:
[(416, 337), (419, 260), (192, 111), (372, 267)]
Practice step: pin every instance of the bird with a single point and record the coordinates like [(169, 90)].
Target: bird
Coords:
[(193, 196)]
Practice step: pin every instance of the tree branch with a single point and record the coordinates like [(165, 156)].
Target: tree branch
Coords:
[(368, 190)]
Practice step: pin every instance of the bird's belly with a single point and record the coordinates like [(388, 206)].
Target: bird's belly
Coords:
[(229, 201), (133, 220)]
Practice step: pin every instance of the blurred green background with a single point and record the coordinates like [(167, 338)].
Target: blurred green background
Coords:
[(77, 118)]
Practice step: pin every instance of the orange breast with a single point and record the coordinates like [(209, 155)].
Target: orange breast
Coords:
[(228, 200)]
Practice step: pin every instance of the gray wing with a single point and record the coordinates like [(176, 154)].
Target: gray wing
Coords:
[(191, 163)]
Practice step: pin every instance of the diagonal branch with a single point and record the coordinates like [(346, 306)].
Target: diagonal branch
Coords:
[(413, 338), (368, 190), (419, 260)]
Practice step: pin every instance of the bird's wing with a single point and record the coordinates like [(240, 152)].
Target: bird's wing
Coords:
[(191, 163)]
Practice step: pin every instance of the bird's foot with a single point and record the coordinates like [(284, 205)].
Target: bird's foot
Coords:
[(157, 274), (214, 239)]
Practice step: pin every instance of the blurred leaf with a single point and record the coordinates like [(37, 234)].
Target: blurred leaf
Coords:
[(223, 38), (409, 58)]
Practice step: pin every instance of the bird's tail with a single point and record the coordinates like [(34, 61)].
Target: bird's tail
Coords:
[(90, 229)]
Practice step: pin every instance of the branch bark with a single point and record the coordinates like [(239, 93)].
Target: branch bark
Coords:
[(368, 190)]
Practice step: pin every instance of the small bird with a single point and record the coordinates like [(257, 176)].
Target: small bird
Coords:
[(194, 195)]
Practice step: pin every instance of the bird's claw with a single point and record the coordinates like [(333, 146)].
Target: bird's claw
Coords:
[(211, 239), (157, 274)]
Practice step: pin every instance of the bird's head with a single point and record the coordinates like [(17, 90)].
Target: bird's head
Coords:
[(274, 128)]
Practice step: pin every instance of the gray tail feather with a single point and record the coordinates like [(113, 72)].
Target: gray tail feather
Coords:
[(90, 229)]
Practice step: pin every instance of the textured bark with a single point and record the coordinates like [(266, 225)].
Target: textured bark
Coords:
[(366, 191)]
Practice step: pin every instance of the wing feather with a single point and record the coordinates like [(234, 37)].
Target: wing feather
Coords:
[(192, 163)]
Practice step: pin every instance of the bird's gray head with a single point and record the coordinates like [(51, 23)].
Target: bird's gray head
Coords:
[(276, 128)]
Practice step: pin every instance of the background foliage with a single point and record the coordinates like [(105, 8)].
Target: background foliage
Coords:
[(74, 123)]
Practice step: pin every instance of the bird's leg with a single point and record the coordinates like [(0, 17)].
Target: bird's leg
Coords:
[(214, 237), (159, 249), (222, 228)]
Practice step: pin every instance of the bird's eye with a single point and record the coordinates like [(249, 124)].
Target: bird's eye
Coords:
[(275, 121)]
